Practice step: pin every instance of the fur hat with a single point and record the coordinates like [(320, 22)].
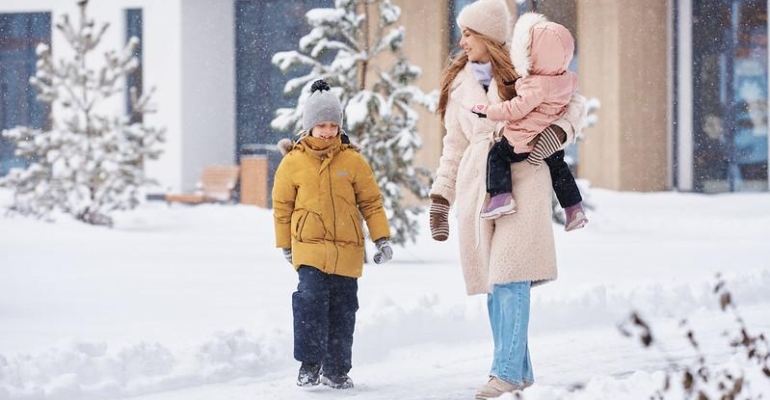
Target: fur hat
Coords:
[(487, 17), (321, 106)]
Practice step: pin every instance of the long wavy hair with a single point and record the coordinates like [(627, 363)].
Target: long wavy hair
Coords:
[(502, 71)]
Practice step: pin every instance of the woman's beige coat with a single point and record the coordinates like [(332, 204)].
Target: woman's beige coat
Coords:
[(513, 248)]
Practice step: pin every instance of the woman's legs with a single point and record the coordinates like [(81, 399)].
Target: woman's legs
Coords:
[(508, 307)]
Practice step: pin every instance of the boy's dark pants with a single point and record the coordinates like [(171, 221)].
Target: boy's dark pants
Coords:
[(325, 308), (499, 160)]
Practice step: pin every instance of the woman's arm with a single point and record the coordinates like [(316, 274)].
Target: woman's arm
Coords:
[(454, 144)]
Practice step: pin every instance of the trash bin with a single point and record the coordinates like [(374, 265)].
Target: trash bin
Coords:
[(254, 171), (258, 164)]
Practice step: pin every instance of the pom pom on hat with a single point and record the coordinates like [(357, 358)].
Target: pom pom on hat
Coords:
[(487, 17), (321, 106), (319, 85)]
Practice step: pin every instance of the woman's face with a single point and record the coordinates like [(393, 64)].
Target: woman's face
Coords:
[(474, 47), (325, 130)]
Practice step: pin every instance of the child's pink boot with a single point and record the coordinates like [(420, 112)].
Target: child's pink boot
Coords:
[(499, 205), (576, 217)]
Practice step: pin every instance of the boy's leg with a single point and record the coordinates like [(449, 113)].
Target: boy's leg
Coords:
[(563, 182), (311, 315), (343, 304)]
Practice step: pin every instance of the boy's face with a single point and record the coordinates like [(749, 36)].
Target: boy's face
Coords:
[(325, 130)]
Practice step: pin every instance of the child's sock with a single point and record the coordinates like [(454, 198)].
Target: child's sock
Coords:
[(548, 142)]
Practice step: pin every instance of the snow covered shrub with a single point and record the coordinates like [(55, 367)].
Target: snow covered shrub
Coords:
[(745, 376), (91, 161), (345, 48)]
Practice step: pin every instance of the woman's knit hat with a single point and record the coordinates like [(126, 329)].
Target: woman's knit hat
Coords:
[(321, 106), (487, 17)]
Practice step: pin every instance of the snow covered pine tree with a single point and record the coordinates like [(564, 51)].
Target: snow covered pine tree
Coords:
[(379, 115), (91, 161)]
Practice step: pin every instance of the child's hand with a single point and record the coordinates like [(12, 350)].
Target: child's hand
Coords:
[(384, 251), (287, 255), (479, 110)]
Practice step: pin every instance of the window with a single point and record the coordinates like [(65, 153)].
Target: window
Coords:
[(259, 84), (730, 95), (134, 29), (19, 36)]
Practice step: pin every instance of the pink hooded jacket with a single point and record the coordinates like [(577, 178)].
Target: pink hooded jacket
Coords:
[(541, 51)]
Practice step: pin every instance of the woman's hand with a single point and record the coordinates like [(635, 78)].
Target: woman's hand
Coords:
[(439, 218)]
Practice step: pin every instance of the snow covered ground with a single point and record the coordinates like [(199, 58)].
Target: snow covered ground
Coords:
[(193, 303)]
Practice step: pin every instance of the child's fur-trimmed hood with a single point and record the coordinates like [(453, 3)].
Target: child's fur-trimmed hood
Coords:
[(540, 47)]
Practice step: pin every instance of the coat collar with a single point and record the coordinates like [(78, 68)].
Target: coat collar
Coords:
[(467, 90)]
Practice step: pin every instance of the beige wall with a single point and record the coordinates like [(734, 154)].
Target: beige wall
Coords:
[(623, 62), (426, 46)]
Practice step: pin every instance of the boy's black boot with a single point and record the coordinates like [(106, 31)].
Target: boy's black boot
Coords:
[(309, 374), (337, 381)]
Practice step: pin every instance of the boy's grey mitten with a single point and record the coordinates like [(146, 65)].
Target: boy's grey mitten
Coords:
[(548, 142), (287, 255), (384, 251)]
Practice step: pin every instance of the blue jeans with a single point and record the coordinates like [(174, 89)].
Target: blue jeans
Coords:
[(508, 306)]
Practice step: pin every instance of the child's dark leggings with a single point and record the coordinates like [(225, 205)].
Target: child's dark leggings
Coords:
[(325, 308), (499, 160)]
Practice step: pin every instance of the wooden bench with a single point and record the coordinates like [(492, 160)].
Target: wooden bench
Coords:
[(216, 185)]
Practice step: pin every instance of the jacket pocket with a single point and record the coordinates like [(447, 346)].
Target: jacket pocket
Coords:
[(348, 231), (297, 220), (310, 228)]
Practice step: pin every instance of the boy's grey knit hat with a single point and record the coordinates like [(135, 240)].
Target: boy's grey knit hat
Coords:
[(321, 106)]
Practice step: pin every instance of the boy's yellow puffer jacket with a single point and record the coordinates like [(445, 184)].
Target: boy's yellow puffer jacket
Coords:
[(316, 205)]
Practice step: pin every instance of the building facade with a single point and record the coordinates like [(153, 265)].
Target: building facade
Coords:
[(682, 83)]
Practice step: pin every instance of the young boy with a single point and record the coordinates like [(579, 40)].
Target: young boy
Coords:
[(321, 188)]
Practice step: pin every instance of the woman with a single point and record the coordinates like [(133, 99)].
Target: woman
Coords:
[(505, 257)]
